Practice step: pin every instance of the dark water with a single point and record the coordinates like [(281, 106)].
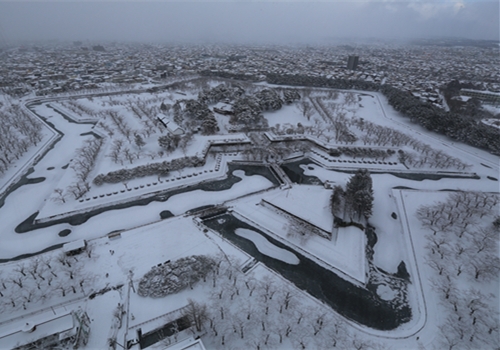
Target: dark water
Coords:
[(215, 185), (64, 233), (356, 303), (23, 181), (296, 173), (25, 256), (165, 214)]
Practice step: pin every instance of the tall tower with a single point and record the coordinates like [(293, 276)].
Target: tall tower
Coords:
[(352, 62)]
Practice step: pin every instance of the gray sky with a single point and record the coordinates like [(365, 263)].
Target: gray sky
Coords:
[(246, 21)]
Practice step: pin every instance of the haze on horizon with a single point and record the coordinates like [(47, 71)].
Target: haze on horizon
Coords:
[(245, 22)]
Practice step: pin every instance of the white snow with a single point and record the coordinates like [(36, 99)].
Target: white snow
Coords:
[(267, 248), (495, 123), (31, 331), (386, 292), (345, 255), (21, 165), (147, 241), (310, 203)]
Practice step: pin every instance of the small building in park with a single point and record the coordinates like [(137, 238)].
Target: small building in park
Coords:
[(69, 330), (75, 247), (172, 127)]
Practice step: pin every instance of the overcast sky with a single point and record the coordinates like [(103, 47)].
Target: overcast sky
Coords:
[(246, 21)]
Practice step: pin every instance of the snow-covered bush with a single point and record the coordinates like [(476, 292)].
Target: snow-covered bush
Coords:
[(160, 168), (220, 93), (290, 96), (248, 112), (172, 277), (269, 99)]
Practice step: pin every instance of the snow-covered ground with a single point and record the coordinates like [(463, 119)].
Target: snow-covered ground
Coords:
[(146, 241), (344, 253), (21, 165)]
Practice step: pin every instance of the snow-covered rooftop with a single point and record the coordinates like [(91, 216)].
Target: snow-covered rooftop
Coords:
[(75, 245), (24, 332)]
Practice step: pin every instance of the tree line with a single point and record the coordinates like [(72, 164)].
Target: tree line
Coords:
[(43, 278), (457, 126), (355, 203), (462, 249), (261, 313), (19, 131), (337, 126), (159, 169)]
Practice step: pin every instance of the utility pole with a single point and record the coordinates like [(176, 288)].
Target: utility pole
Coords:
[(115, 342)]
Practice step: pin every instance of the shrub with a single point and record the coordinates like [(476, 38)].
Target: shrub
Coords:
[(172, 277)]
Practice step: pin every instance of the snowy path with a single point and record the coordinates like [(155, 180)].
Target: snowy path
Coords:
[(471, 153)]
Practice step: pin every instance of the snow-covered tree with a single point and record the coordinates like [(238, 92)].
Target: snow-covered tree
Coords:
[(169, 142), (139, 142)]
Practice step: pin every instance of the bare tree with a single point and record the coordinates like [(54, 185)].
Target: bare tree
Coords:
[(197, 314), (267, 289), (116, 150), (46, 262), (251, 284), (89, 250), (446, 286), (361, 344), (337, 329), (18, 280), (73, 270), (60, 195), (438, 244), (34, 267), (139, 142), (301, 338), (286, 298), (429, 217), (129, 155), (306, 108), (27, 295), (350, 98), (448, 339), (485, 267), (485, 240), (20, 268), (64, 259)]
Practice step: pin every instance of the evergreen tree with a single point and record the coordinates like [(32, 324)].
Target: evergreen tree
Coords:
[(337, 199), (169, 142), (359, 194), (139, 141), (209, 125)]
